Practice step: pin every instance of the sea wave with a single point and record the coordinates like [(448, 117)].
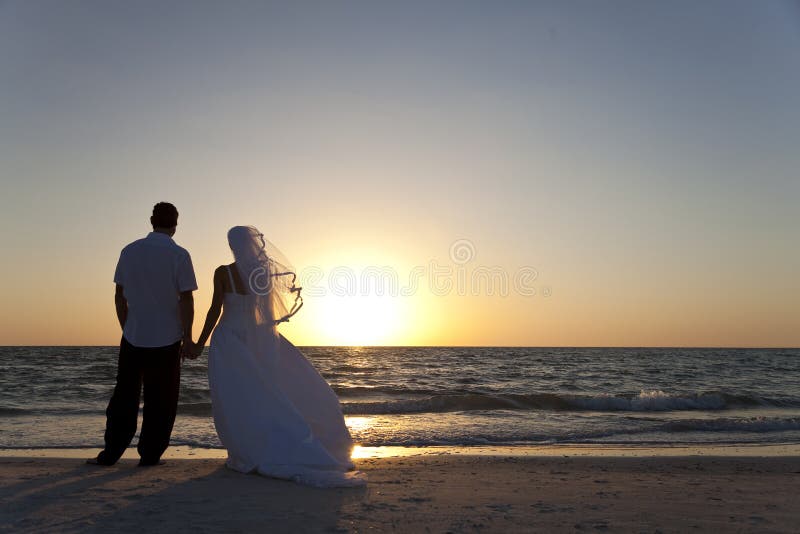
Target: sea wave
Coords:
[(644, 401), (760, 430), (764, 429), (11, 412), (372, 391), (751, 424), (195, 408)]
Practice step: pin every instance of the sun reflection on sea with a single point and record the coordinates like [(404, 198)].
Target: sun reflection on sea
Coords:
[(356, 423)]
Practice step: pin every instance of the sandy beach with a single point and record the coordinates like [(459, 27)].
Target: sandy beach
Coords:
[(556, 489)]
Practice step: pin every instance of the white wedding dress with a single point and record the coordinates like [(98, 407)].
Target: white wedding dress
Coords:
[(272, 410)]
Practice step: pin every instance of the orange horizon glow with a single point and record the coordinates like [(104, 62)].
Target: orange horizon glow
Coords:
[(422, 318)]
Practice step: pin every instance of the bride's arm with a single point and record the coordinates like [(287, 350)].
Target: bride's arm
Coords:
[(214, 310)]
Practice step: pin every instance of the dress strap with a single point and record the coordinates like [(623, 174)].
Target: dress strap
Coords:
[(230, 277)]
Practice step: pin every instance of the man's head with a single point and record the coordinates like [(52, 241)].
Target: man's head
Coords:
[(164, 218)]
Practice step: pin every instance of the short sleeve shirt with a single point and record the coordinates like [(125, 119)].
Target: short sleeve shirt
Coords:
[(153, 272)]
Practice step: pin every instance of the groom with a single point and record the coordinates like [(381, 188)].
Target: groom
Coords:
[(155, 308)]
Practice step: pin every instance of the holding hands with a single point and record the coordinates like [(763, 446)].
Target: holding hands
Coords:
[(190, 349)]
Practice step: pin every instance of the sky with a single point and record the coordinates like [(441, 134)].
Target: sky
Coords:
[(628, 170)]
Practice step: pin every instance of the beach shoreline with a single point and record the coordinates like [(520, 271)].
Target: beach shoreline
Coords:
[(468, 489), (525, 450)]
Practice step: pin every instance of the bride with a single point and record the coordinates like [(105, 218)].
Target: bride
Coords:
[(272, 410)]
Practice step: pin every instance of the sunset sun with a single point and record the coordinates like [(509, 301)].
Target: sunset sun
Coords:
[(360, 319)]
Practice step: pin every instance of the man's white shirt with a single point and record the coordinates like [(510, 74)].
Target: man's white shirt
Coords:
[(153, 271)]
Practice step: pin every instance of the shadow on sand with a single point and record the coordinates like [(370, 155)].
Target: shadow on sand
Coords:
[(181, 496), (222, 500)]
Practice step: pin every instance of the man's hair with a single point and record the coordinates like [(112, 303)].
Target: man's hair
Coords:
[(165, 215)]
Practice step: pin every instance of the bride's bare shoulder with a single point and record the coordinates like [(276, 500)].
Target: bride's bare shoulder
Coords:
[(220, 271)]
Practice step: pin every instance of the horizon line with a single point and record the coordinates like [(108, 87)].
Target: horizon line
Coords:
[(495, 346)]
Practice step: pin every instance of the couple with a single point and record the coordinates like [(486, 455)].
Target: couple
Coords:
[(272, 410)]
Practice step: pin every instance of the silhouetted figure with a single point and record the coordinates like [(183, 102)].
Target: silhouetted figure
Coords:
[(273, 411), (155, 308)]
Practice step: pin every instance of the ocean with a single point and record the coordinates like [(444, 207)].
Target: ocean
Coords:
[(55, 397)]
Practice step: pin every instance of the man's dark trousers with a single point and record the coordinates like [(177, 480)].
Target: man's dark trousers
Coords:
[(159, 370)]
